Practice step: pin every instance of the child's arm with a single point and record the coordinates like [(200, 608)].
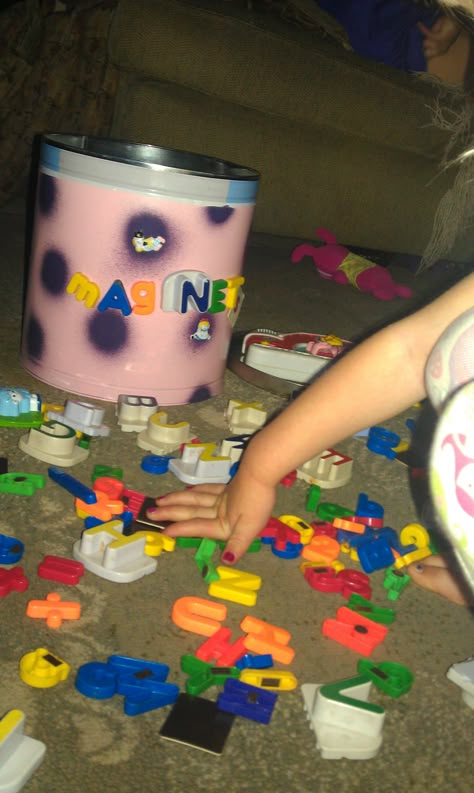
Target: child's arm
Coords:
[(378, 379)]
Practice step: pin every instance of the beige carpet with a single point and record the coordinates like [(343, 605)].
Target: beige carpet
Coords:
[(91, 745)]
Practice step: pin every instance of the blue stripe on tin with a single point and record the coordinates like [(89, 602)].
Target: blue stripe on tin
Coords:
[(50, 156), (242, 191)]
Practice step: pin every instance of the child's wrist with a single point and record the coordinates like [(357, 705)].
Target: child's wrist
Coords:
[(259, 466)]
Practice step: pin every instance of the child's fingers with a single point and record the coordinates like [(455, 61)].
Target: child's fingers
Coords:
[(246, 509), (424, 30), (436, 31), (243, 533), (440, 579), (211, 528), (182, 512), (429, 51), (236, 546), (204, 498)]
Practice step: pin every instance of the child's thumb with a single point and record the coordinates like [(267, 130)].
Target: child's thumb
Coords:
[(236, 547)]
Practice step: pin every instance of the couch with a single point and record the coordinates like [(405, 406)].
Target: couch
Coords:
[(339, 141)]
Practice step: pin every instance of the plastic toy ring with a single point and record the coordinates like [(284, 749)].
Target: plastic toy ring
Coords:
[(155, 464)]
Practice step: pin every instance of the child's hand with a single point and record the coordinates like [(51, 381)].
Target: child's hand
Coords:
[(439, 38), (236, 512)]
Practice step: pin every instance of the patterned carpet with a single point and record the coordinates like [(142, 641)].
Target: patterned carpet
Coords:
[(91, 745)]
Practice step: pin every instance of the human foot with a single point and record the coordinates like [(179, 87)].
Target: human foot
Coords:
[(439, 575)]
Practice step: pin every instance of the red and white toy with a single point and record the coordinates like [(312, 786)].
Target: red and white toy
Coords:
[(297, 357)]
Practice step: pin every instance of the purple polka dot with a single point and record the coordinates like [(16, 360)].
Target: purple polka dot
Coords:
[(108, 332), (54, 272), (200, 394), (34, 338), (219, 215), (47, 194), (149, 227)]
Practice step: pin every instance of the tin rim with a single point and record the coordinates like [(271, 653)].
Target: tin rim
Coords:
[(146, 155)]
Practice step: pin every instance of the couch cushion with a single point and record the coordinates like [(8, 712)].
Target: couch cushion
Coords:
[(328, 184), (307, 13), (260, 62)]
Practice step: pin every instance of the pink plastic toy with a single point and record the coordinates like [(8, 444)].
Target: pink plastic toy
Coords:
[(334, 261)]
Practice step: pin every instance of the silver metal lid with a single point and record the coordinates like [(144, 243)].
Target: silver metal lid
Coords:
[(154, 157)]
